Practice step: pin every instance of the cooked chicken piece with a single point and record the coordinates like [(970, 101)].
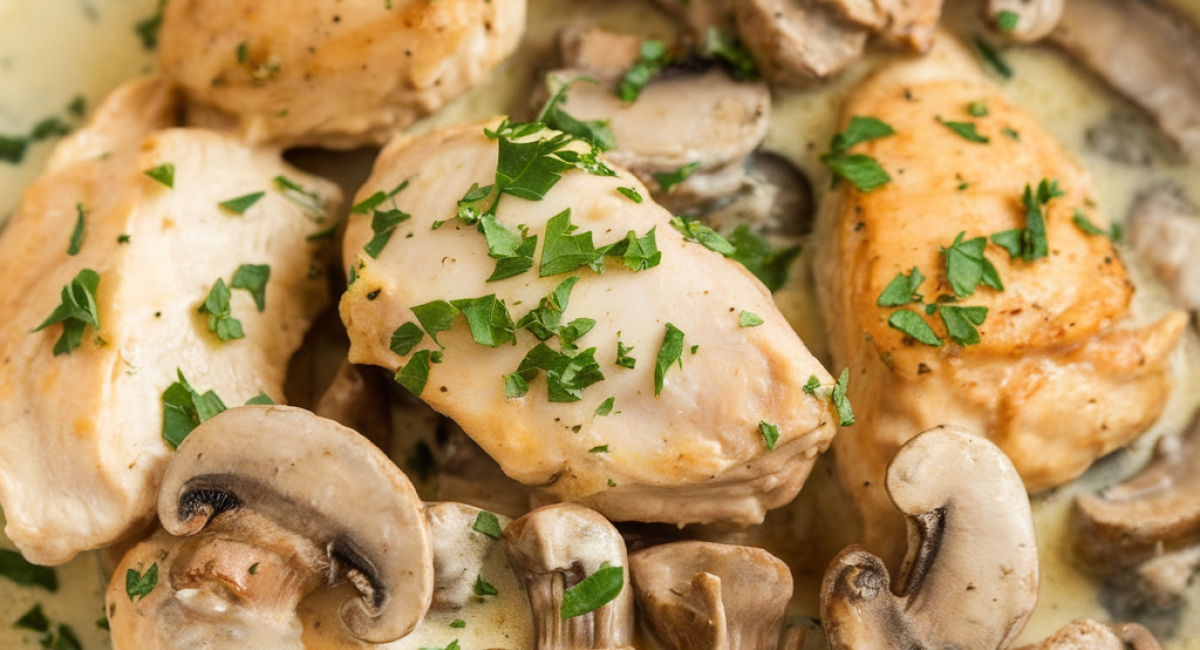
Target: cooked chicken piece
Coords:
[(798, 41), (83, 432), (1147, 53), (1058, 377), (909, 23), (333, 74), (1165, 229), (693, 453), (681, 118)]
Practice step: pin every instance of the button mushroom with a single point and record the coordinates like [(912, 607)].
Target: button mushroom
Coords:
[(261, 507), (1147, 53), (637, 440), (1147, 529), (683, 117), (322, 72), (1055, 370), (706, 596), (798, 41), (1165, 228), (971, 577), (1035, 19), (554, 550), (183, 288), (1087, 634)]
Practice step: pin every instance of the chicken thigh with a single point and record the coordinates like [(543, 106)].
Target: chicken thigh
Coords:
[(657, 394), (145, 226), (333, 74), (1057, 373)]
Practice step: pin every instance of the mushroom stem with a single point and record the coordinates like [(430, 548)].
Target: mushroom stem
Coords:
[(552, 550)]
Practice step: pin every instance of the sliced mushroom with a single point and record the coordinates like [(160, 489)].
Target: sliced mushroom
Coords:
[(682, 117), (1147, 53), (1086, 634), (1035, 18), (971, 577), (706, 596), (1165, 229), (262, 506), (798, 41), (555, 548)]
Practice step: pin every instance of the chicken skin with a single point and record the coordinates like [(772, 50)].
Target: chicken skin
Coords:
[(136, 248), (1057, 374), (697, 447), (331, 74)]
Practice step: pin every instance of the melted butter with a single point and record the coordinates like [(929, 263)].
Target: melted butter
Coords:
[(48, 55)]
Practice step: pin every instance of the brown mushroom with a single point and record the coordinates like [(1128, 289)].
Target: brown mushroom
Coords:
[(1165, 228), (1035, 18), (970, 580), (262, 506), (706, 596), (557, 547), (798, 41)]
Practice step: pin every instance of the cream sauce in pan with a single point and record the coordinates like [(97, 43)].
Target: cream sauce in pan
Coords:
[(53, 51)]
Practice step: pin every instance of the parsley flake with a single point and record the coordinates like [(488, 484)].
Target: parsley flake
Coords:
[(1030, 242), (902, 290), (599, 449), (967, 268), (911, 324), (594, 132), (16, 568), (992, 58), (669, 353), (484, 588), (253, 278), (436, 316), (670, 180), (604, 409), (220, 315), (261, 399), (860, 129), (488, 318), (242, 203), (593, 592), (965, 130), (1115, 233), (164, 173), (76, 242), (383, 224), (35, 619), (458, 623), (623, 358), (488, 524), (309, 202), (415, 374), (76, 311), (405, 338), (375, 200), (568, 373), (961, 321), (810, 387), (139, 585), (978, 108), (840, 401), (771, 266), (770, 433), (653, 56), (694, 231), (184, 409), (630, 193), (749, 319), (730, 53), (863, 171), (1006, 21)]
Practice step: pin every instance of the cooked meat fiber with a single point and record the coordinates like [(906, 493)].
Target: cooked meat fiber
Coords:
[(695, 452), (327, 73), (90, 422), (1060, 376)]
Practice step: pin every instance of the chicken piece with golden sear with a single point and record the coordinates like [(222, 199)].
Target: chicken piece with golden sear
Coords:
[(1016, 323)]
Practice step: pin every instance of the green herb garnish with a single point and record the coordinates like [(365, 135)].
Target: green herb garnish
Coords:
[(965, 130), (436, 316), (253, 278), (630, 193), (220, 315), (76, 242), (383, 224), (605, 408), (653, 56), (77, 310), (35, 619), (967, 268), (730, 52), (593, 592), (1115, 233), (993, 59), (309, 202), (484, 588), (23, 572), (488, 318), (669, 181), (164, 173), (912, 324), (240, 204), (139, 585), (568, 373), (749, 319), (623, 358), (184, 409), (669, 353), (770, 433), (415, 374), (1006, 21), (902, 290), (405, 338), (595, 132), (488, 524), (961, 321)]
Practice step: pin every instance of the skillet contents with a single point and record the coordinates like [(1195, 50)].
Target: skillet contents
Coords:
[(776, 324)]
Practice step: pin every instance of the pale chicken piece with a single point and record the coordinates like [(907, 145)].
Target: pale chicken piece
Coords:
[(82, 432), (328, 73), (695, 452), (1060, 377)]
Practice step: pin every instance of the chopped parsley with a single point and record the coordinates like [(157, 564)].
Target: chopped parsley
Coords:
[(458, 623), (978, 108), (594, 132), (961, 321), (436, 316), (653, 56), (76, 242), (383, 224), (220, 315), (12, 149), (568, 373), (77, 310), (184, 409), (630, 193), (544, 321), (164, 173), (1115, 233), (1030, 242), (34, 619), (669, 353), (770, 433), (375, 200), (50, 127), (694, 231), (911, 323), (623, 358), (488, 524), (261, 399), (749, 319), (965, 130), (840, 401), (415, 374), (861, 170), (529, 168), (729, 52), (1006, 21), (599, 449), (670, 180), (240, 204), (861, 129), (16, 568), (565, 251), (991, 57), (593, 592), (489, 320), (605, 408), (147, 28), (405, 338), (309, 202), (771, 266), (902, 290), (1010, 133), (139, 585), (253, 278), (810, 387), (967, 268), (484, 588)]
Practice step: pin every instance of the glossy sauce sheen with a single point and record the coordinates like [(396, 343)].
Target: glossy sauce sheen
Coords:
[(54, 50)]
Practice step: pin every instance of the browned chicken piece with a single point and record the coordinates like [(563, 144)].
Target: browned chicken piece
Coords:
[(82, 420), (1059, 375), (320, 72), (909, 23)]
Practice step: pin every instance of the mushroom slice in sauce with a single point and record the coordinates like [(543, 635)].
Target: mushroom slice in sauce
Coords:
[(798, 41), (91, 421), (693, 453), (554, 549), (1165, 228), (1035, 18), (1147, 53), (325, 73), (971, 577), (706, 596), (682, 117), (261, 506), (1056, 376), (1086, 634), (1149, 525)]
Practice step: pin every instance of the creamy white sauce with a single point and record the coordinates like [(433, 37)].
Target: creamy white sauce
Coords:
[(54, 50)]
